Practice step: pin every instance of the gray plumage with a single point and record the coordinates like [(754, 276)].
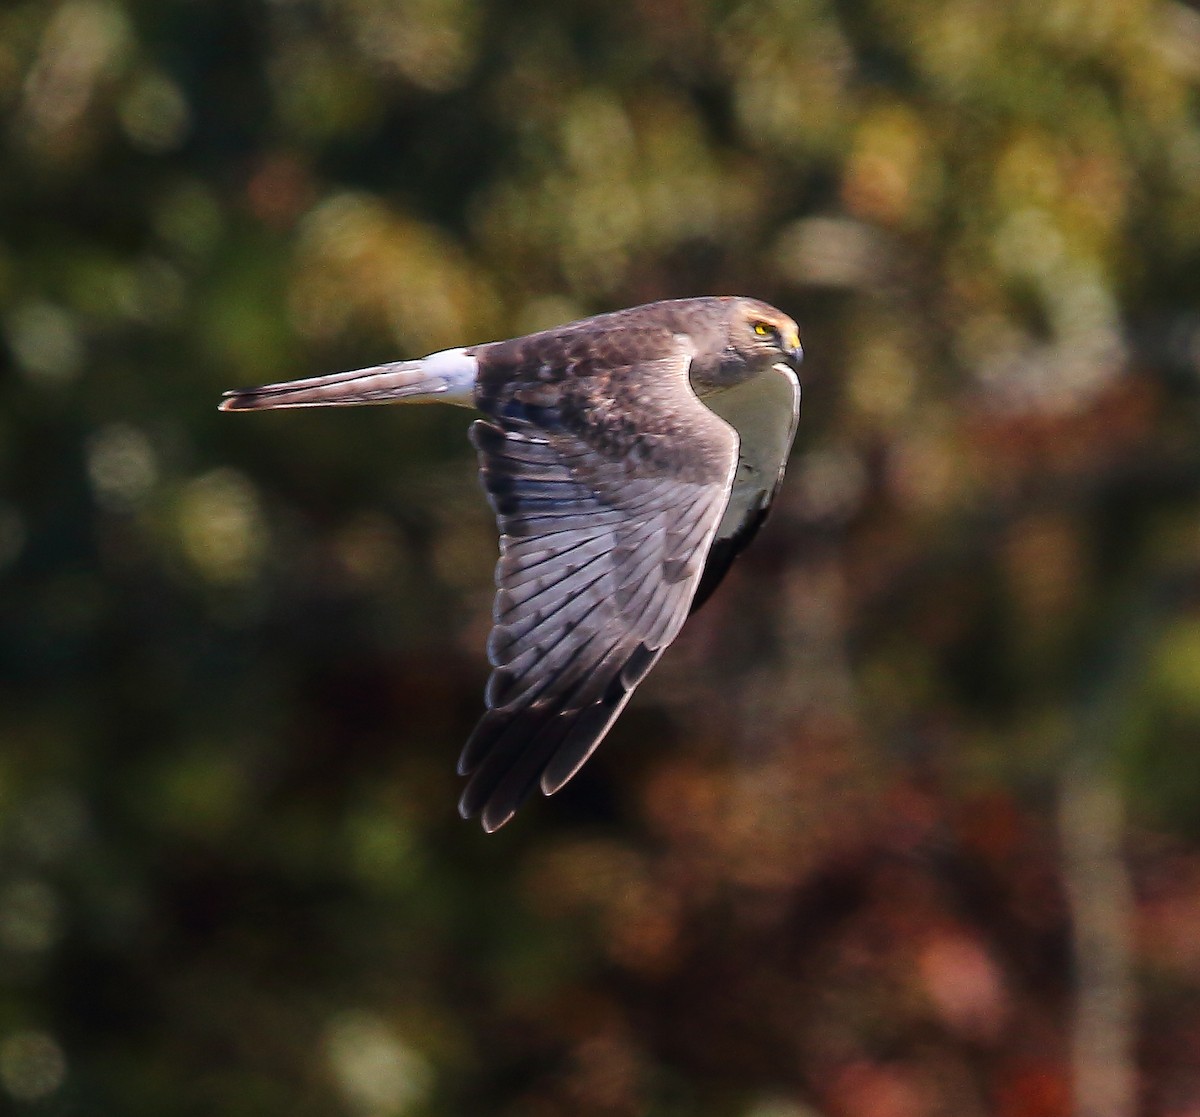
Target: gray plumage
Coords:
[(621, 500)]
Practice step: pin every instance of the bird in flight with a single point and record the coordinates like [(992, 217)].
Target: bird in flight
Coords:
[(629, 458)]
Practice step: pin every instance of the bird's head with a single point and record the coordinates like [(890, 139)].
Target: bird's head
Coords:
[(756, 337), (763, 336)]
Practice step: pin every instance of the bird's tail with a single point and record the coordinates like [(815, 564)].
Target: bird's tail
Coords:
[(448, 377)]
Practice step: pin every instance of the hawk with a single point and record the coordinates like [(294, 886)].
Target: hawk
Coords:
[(629, 458)]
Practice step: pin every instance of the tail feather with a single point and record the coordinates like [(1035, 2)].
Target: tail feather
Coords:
[(448, 376)]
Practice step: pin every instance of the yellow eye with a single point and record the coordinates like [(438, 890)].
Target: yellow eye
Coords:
[(762, 330)]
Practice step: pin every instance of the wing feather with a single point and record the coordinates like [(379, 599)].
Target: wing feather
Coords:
[(603, 534), (519, 569)]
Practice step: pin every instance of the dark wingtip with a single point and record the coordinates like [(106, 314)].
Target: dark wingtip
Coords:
[(488, 819), (491, 823)]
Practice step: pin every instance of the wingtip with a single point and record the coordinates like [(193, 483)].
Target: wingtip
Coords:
[(469, 809), (487, 819), (491, 825)]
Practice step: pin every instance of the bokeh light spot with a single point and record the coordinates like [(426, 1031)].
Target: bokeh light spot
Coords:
[(121, 464), (378, 1073), (30, 916), (154, 114), (84, 42), (32, 1065), (221, 526), (46, 342)]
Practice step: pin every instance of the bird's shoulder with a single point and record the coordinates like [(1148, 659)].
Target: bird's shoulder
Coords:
[(591, 347)]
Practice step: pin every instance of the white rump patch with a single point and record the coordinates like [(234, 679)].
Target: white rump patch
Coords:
[(457, 370)]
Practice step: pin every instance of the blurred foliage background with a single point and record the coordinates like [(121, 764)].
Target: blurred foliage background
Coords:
[(906, 823)]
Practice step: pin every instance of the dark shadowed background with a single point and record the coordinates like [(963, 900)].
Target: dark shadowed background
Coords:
[(905, 824)]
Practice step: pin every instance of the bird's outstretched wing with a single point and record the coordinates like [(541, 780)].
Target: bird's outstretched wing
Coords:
[(765, 412), (606, 514)]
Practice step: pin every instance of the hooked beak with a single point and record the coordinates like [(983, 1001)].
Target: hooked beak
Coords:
[(790, 344)]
